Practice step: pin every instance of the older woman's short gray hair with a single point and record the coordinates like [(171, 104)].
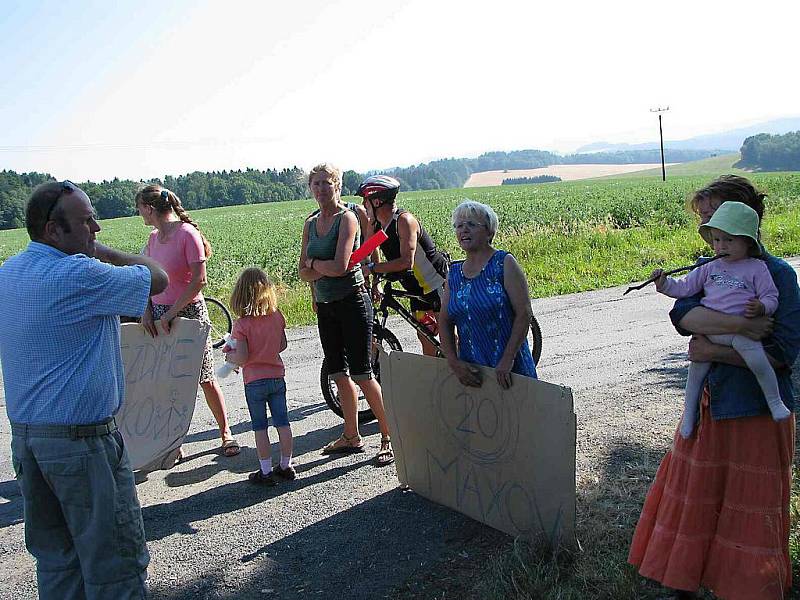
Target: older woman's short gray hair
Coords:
[(470, 209)]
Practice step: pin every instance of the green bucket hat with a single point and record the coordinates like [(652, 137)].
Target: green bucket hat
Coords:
[(734, 218)]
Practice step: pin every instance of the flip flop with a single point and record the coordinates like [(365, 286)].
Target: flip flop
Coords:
[(230, 448)]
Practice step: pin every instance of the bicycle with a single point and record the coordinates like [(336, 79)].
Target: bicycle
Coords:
[(221, 321), (218, 314), (384, 338)]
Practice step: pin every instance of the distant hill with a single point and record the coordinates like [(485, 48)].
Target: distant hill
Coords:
[(454, 172), (725, 141)]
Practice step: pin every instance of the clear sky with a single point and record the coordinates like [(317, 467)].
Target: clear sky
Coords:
[(98, 89)]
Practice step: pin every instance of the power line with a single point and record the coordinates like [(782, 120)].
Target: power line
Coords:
[(139, 146)]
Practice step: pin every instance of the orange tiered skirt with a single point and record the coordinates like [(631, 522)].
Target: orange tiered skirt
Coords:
[(717, 514)]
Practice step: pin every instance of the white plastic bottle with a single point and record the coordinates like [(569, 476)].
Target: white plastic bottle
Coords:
[(227, 367)]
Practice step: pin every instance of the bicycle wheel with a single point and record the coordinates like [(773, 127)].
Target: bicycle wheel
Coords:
[(385, 339), (221, 321), (535, 340)]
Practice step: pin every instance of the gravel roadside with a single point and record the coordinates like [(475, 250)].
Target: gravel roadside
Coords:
[(344, 529)]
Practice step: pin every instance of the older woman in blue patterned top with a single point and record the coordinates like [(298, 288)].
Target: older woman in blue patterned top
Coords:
[(486, 300)]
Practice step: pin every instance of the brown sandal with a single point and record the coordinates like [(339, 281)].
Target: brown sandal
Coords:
[(385, 455), (230, 448), (344, 445)]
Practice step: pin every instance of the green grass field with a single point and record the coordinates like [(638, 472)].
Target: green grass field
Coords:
[(568, 236)]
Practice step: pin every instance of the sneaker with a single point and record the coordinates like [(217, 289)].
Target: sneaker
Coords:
[(289, 474), (259, 478)]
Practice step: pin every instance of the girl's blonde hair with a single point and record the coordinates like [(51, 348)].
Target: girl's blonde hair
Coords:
[(254, 294)]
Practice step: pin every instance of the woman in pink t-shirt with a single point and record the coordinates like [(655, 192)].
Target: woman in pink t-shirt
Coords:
[(179, 247)]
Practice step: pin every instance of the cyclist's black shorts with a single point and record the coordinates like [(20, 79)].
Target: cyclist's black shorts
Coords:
[(430, 301)]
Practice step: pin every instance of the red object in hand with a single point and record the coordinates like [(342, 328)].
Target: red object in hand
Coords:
[(367, 248)]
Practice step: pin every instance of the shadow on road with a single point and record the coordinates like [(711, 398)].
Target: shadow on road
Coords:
[(673, 370), (362, 552), (296, 414), (175, 517), (247, 459)]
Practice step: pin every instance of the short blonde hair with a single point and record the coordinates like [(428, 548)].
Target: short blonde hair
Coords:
[(328, 169), (470, 209), (254, 294)]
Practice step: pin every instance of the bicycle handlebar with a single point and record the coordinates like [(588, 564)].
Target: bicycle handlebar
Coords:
[(393, 276)]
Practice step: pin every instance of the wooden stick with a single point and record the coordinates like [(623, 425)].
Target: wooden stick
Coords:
[(699, 263)]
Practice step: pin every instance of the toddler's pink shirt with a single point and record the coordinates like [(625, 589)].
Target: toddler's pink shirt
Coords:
[(727, 285), (264, 337)]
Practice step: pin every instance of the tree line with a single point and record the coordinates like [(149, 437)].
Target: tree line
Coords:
[(454, 172), (116, 198), (767, 152), (196, 190), (528, 180)]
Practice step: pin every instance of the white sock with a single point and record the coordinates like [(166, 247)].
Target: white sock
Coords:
[(266, 466), (778, 408), (286, 461), (688, 422)]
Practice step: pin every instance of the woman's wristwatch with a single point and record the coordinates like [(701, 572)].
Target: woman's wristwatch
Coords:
[(371, 267)]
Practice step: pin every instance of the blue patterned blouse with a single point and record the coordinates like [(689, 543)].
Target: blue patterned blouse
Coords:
[(482, 313)]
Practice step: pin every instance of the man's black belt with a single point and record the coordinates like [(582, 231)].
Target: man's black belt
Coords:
[(66, 431)]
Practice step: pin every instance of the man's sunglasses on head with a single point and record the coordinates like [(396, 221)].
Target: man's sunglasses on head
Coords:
[(67, 187)]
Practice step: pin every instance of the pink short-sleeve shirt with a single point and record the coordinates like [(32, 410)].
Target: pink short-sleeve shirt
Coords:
[(184, 247), (264, 337)]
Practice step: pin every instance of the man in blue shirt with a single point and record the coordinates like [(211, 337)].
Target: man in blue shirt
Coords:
[(64, 381)]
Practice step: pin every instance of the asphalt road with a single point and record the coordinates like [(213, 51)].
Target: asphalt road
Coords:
[(344, 529)]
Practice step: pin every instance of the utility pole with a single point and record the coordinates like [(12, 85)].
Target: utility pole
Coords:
[(661, 135)]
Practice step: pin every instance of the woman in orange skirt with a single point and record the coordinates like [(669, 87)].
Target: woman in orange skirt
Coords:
[(717, 514)]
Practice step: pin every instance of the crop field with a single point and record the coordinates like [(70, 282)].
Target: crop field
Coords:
[(568, 236), (714, 165), (565, 172)]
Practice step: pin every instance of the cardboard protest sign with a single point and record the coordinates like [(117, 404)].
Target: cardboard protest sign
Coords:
[(161, 379), (503, 457)]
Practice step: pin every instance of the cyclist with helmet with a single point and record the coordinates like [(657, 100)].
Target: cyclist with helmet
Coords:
[(409, 251)]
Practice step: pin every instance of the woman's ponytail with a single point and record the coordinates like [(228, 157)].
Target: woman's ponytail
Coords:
[(184, 216)]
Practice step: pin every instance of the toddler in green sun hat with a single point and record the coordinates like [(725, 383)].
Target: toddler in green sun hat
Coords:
[(738, 283)]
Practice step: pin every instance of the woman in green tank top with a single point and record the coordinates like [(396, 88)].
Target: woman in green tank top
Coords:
[(344, 309)]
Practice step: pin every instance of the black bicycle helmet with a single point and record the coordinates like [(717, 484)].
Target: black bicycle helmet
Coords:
[(379, 187)]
